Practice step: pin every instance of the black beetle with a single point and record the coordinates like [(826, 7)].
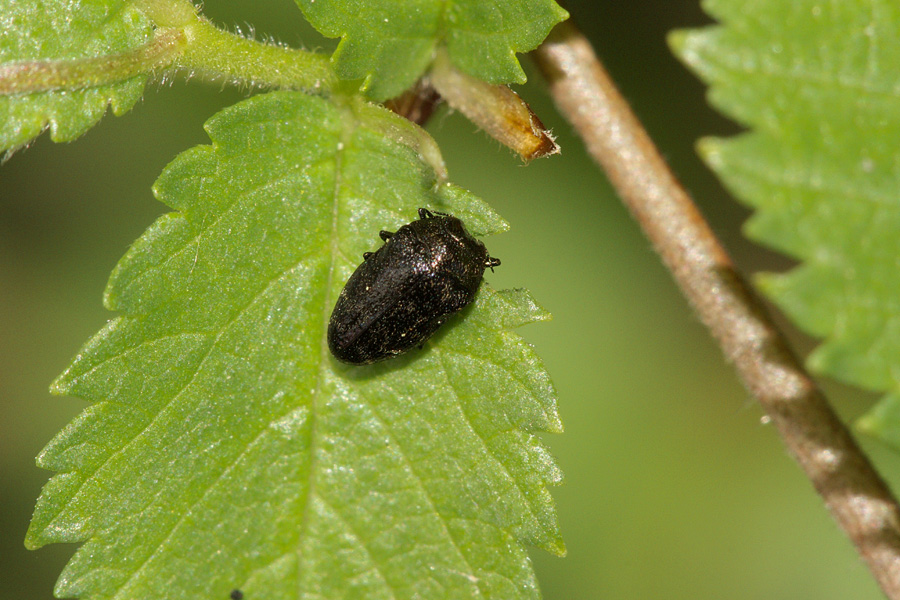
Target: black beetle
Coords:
[(401, 293)]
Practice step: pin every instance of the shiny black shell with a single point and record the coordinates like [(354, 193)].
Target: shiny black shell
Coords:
[(400, 294)]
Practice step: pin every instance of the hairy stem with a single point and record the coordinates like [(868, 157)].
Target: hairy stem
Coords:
[(853, 491), (218, 55), (29, 76), (182, 40)]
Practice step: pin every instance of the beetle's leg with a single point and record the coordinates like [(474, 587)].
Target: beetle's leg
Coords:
[(385, 235), (366, 255), (492, 262), (424, 213)]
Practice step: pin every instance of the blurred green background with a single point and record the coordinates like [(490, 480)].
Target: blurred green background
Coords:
[(674, 489)]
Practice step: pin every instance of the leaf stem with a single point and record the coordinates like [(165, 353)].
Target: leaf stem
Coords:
[(853, 491), (183, 40), (29, 76), (215, 54)]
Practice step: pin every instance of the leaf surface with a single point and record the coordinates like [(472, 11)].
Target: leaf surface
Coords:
[(39, 30), (390, 44), (225, 448), (817, 86)]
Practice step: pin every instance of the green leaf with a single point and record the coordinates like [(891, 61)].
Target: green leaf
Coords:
[(225, 448), (389, 45), (816, 84), (51, 30)]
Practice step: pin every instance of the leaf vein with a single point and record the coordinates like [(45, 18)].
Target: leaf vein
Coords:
[(451, 384), (95, 472), (407, 464)]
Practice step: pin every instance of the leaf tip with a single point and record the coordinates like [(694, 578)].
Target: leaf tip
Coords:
[(62, 384), (689, 45), (557, 547), (869, 425), (676, 39), (768, 283), (524, 306), (881, 422), (32, 539), (710, 150), (554, 424)]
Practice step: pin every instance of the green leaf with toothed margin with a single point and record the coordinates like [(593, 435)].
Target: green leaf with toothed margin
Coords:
[(225, 448), (47, 30), (816, 84), (389, 45)]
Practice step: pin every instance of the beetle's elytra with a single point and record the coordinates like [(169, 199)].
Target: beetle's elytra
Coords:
[(401, 293)]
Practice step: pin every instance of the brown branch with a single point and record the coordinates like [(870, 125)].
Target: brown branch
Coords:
[(853, 491)]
